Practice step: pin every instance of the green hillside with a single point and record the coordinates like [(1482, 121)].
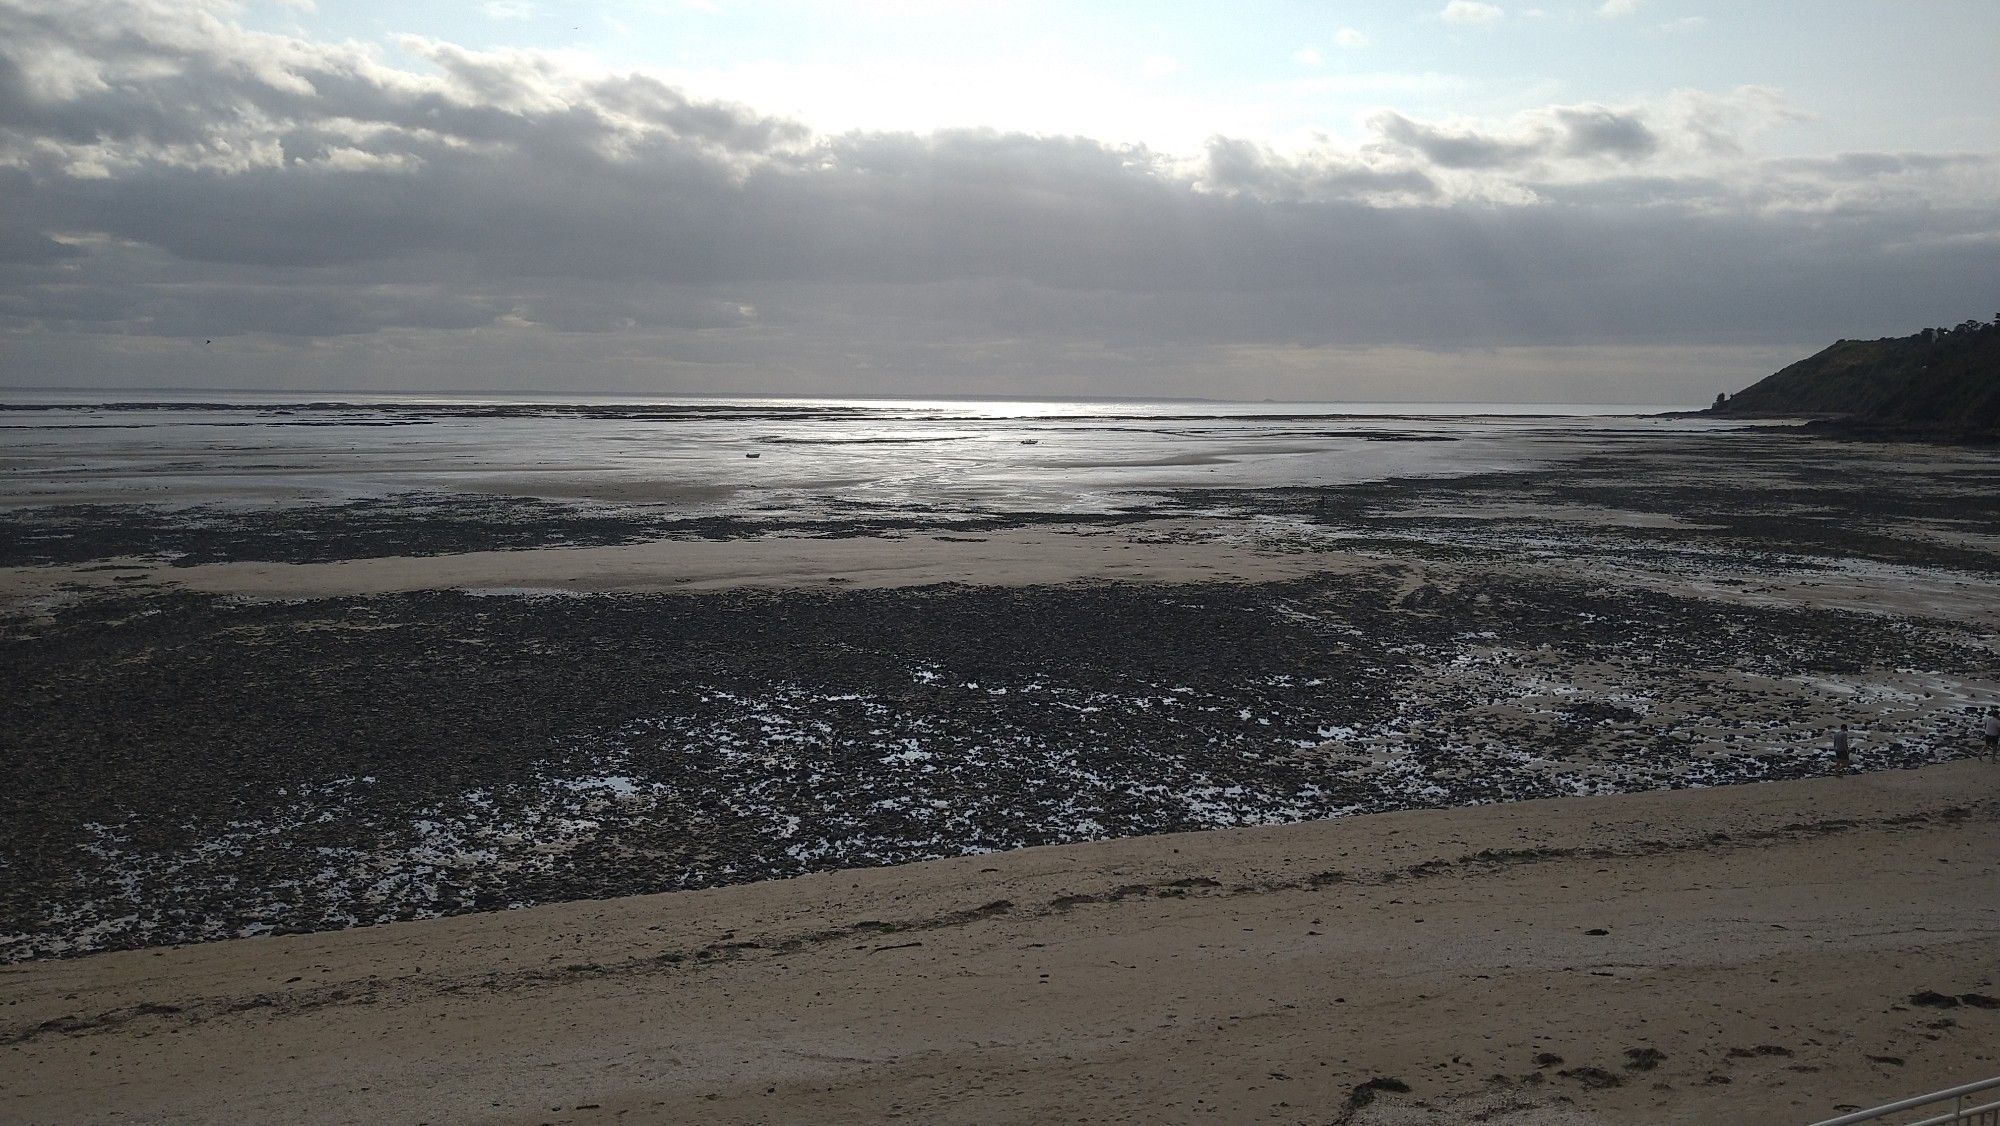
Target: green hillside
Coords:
[(1938, 380)]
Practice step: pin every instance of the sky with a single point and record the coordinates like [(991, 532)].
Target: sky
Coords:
[(1643, 201)]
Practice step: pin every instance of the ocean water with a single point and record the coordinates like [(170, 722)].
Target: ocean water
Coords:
[(766, 457)]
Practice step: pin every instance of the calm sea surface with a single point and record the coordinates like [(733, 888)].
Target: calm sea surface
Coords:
[(763, 456)]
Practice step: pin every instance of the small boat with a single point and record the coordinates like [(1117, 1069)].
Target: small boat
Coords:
[(753, 455), (1031, 441)]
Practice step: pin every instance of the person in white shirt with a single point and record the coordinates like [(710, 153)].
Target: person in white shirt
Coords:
[(1992, 731)]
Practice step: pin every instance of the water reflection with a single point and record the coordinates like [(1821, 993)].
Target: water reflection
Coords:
[(811, 457)]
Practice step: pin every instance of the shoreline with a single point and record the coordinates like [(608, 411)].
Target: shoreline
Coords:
[(1690, 955), (298, 720), (305, 718)]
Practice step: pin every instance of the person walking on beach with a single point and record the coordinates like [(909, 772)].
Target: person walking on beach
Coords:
[(1992, 729), (1840, 747)]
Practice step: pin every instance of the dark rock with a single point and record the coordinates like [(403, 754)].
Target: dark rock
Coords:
[(1643, 1059), (1365, 1093)]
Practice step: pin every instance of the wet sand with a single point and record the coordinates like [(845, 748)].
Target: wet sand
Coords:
[(248, 720), (1166, 551), (235, 721), (1758, 953)]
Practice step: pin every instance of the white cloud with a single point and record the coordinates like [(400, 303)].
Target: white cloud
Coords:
[(1306, 56), (1351, 39), (1159, 66), (1471, 12), (1612, 9), (1047, 92)]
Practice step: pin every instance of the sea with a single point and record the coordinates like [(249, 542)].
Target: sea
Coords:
[(773, 457)]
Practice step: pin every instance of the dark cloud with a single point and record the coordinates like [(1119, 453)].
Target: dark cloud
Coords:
[(27, 246), (169, 174), (1603, 132), (1244, 167), (1456, 148), (1576, 132)]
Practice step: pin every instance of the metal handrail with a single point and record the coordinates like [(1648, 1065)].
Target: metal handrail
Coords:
[(1963, 1114), (1955, 1115)]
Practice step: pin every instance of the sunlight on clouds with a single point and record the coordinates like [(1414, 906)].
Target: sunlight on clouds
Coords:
[(1043, 94), (1019, 202), (1470, 12)]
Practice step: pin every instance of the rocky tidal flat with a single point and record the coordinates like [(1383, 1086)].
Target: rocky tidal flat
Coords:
[(186, 766), (193, 768)]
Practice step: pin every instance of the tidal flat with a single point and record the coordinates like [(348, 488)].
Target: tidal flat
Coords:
[(229, 720)]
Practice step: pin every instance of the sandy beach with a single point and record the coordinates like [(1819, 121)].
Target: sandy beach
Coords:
[(1501, 796), (671, 561), (1756, 953)]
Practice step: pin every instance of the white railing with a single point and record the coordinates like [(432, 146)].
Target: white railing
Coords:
[(1973, 1104)]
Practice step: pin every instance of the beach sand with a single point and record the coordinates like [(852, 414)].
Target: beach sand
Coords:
[(1756, 953), (311, 722), (1156, 551)]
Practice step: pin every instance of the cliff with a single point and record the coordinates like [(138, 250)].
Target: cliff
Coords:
[(1935, 382)]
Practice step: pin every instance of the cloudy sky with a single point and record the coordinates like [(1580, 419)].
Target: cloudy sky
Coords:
[(1610, 201)]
